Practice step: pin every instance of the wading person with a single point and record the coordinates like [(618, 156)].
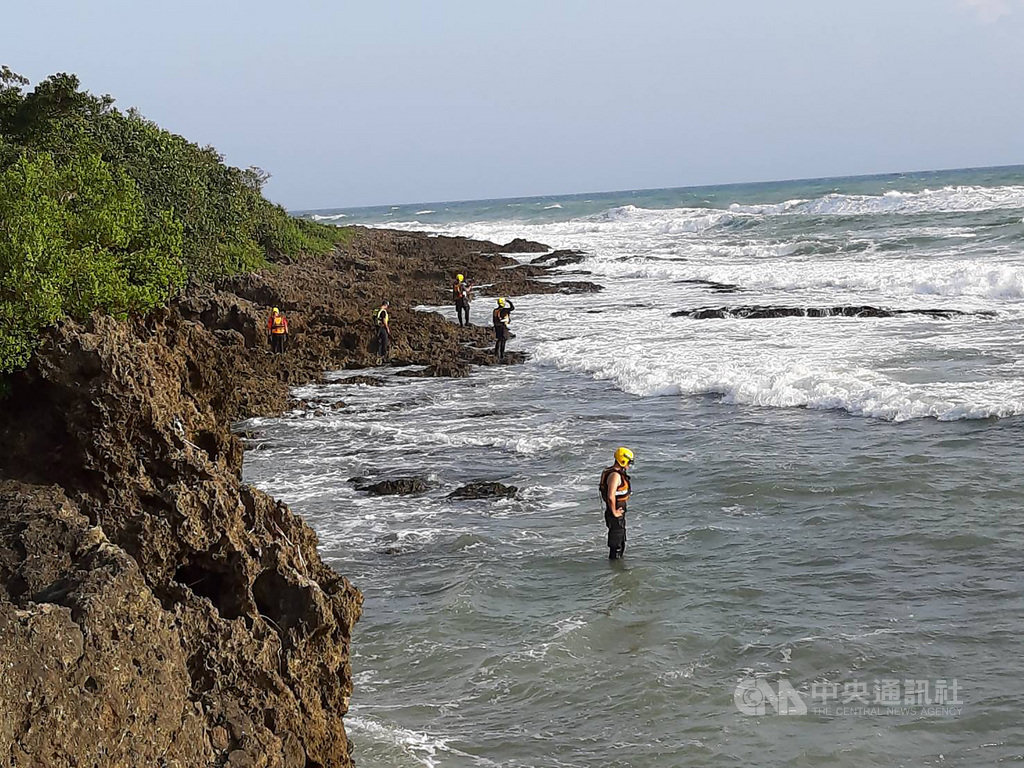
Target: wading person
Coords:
[(500, 319), (277, 331), (615, 491), (383, 332), (461, 293)]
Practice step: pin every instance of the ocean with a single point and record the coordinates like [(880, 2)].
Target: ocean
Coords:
[(825, 539)]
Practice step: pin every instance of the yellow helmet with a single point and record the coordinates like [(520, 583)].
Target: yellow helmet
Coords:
[(501, 302), (459, 278), (276, 311), (623, 456)]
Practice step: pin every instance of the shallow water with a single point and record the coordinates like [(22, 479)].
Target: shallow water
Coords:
[(831, 504), (816, 546)]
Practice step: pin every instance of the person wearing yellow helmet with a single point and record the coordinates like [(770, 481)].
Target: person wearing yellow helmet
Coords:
[(615, 492), (462, 293), (277, 331), (382, 319), (500, 320)]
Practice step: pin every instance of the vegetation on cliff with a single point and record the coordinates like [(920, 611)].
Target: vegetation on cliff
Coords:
[(103, 210)]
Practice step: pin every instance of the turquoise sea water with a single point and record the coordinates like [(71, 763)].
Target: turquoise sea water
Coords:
[(827, 508)]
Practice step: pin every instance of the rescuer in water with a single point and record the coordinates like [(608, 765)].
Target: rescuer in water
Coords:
[(615, 492)]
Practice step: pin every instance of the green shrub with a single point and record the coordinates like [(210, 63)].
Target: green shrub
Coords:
[(74, 238), (104, 210)]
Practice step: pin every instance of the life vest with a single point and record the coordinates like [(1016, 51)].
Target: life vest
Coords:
[(278, 324), (622, 492), (458, 291), (496, 316), (381, 316)]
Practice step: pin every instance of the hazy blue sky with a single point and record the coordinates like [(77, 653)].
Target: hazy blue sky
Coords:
[(359, 103)]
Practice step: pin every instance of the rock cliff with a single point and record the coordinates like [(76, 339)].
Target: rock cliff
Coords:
[(155, 610)]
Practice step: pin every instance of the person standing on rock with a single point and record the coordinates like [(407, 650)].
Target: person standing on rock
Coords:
[(461, 293), (381, 317), (277, 331), (500, 319), (615, 492)]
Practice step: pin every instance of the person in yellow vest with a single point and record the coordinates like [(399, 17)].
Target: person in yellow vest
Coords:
[(615, 492), (500, 320), (277, 331), (462, 293)]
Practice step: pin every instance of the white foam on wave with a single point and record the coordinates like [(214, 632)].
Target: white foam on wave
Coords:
[(744, 377), (401, 437), (552, 207), (425, 212), (959, 199), (422, 747), (332, 217)]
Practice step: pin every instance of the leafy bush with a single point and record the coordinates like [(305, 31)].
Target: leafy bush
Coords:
[(74, 238), (104, 210)]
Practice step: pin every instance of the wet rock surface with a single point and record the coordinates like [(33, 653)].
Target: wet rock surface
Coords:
[(484, 490), (559, 258), (155, 610), (397, 486), (765, 312)]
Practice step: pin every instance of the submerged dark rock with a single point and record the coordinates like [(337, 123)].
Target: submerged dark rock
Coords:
[(444, 369), (577, 286), (559, 258), (484, 490), (397, 486), (369, 381), (866, 311), (712, 285)]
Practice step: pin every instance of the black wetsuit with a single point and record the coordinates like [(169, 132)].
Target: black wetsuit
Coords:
[(383, 335), (498, 317), (616, 525), (461, 291)]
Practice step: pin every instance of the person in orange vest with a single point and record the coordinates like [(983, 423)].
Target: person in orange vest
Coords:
[(277, 331), (461, 292)]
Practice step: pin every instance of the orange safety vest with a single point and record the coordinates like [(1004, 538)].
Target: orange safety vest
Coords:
[(278, 324), (622, 493)]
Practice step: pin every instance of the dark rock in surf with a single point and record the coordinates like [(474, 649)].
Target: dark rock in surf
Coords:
[(712, 285), (864, 311), (398, 486), (444, 369), (576, 286), (369, 381), (484, 490), (519, 245), (559, 258)]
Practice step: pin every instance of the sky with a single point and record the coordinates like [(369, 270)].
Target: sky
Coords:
[(390, 101)]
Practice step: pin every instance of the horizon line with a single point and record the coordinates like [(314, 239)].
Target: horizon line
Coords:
[(299, 211)]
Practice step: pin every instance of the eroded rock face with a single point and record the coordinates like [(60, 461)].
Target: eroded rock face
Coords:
[(154, 610), (94, 671), (171, 599)]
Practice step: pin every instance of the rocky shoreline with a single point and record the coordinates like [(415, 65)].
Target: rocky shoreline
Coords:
[(155, 610)]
